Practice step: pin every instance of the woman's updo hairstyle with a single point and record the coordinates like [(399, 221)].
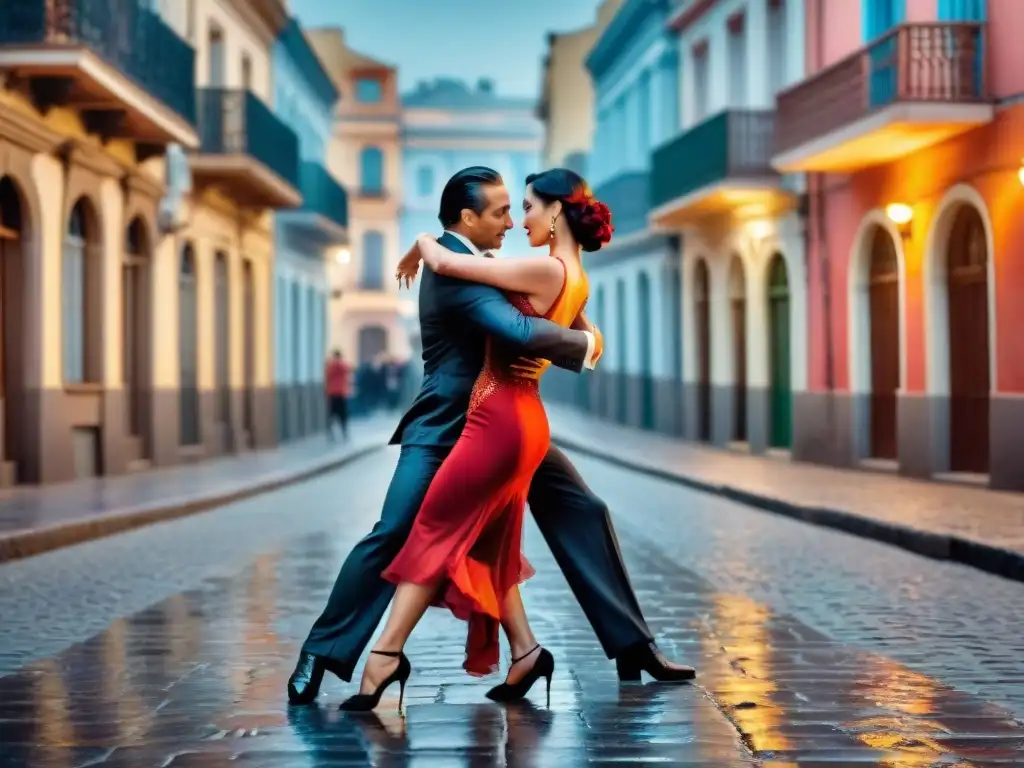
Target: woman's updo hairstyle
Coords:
[(588, 218)]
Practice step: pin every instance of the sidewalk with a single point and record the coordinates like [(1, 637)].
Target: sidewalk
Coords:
[(34, 520), (976, 527)]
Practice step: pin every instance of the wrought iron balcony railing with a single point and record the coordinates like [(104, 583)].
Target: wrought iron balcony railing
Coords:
[(922, 63), (322, 195), (734, 144), (627, 195), (235, 121), (123, 33)]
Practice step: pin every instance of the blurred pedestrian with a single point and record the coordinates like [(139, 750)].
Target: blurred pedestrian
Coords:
[(338, 383)]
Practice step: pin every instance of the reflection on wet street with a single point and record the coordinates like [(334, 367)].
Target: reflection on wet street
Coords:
[(198, 679)]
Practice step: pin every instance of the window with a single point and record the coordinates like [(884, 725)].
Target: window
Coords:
[(961, 10), (369, 90), (73, 284), (737, 52), (216, 41), (373, 261), (246, 72), (881, 15), (425, 181), (371, 164), (700, 82), (777, 47)]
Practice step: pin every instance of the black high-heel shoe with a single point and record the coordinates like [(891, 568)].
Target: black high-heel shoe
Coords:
[(364, 702), (544, 667)]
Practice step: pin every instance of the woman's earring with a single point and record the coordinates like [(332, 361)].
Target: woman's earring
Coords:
[(551, 230)]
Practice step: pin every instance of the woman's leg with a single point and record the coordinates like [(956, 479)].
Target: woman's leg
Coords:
[(410, 603), (522, 643)]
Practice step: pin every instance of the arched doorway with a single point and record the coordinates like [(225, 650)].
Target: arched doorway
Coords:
[(622, 346), (884, 318), (14, 238), (643, 306), (969, 372), (80, 286), (781, 408), (248, 351), (738, 318), (135, 332), (373, 342), (702, 333), (222, 347), (674, 334), (298, 354), (188, 349)]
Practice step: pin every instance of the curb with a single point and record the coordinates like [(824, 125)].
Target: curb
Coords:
[(983, 557), (21, 544)]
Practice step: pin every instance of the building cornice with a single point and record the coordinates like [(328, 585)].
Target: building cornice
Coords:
[(267, 18), (622, 29), (687, 13), (27, 131)]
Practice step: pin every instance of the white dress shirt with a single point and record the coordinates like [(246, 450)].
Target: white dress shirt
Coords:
[(588, 361)]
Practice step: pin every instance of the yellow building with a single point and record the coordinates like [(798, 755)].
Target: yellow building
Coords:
[(368, 316), (567, 94), (135, 292)]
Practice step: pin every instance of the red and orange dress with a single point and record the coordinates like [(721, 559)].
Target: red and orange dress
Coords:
[(467, 537)]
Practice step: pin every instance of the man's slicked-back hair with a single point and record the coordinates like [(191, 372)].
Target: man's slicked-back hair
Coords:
[(466, 190)]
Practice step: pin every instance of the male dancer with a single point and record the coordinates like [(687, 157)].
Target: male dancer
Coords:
[(456, 317)]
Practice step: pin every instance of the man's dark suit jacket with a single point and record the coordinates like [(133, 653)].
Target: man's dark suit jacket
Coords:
[(456, 317)]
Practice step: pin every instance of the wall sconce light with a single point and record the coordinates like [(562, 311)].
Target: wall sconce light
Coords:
[(342, 256), (760, 229), (901, 215), (1020, 172)]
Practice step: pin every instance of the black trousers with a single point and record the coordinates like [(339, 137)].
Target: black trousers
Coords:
[(337, 410), (574, 522)]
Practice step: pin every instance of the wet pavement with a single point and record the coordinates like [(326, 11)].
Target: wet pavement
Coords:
[(36, 519), (973, 514), (170, 646)]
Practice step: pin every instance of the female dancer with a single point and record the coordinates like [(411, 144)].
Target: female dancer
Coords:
[(465, 548)]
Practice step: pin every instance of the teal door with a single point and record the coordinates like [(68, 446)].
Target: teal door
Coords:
[(781, 415), (643, 290)]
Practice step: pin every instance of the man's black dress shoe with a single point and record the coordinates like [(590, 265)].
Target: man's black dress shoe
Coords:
[(645, 657), (304, 684)]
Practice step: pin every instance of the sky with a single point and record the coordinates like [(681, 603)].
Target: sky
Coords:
[(465, 38)]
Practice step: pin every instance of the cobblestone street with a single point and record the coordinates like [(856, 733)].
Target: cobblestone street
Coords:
[(170, 645)]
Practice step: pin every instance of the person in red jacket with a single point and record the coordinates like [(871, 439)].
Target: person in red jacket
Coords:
[(338, 385)]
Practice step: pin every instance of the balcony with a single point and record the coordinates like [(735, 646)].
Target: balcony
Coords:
[(323, 217), (245, 150), (119, 65), (916, 86), (719, 167), (627, 195)]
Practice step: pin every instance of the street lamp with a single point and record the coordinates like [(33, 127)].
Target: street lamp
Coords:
[(901, 215)]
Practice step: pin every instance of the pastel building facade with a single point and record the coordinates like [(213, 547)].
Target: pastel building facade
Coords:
[(635, 281), (566, 104), (448, 125), (135, 235), (220, 212), (306, 238), (910, 128), (744, 302), (368, 315)]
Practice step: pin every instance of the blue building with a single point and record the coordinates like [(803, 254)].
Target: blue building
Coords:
[(635, 281), (304, 98), (448, 125)]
